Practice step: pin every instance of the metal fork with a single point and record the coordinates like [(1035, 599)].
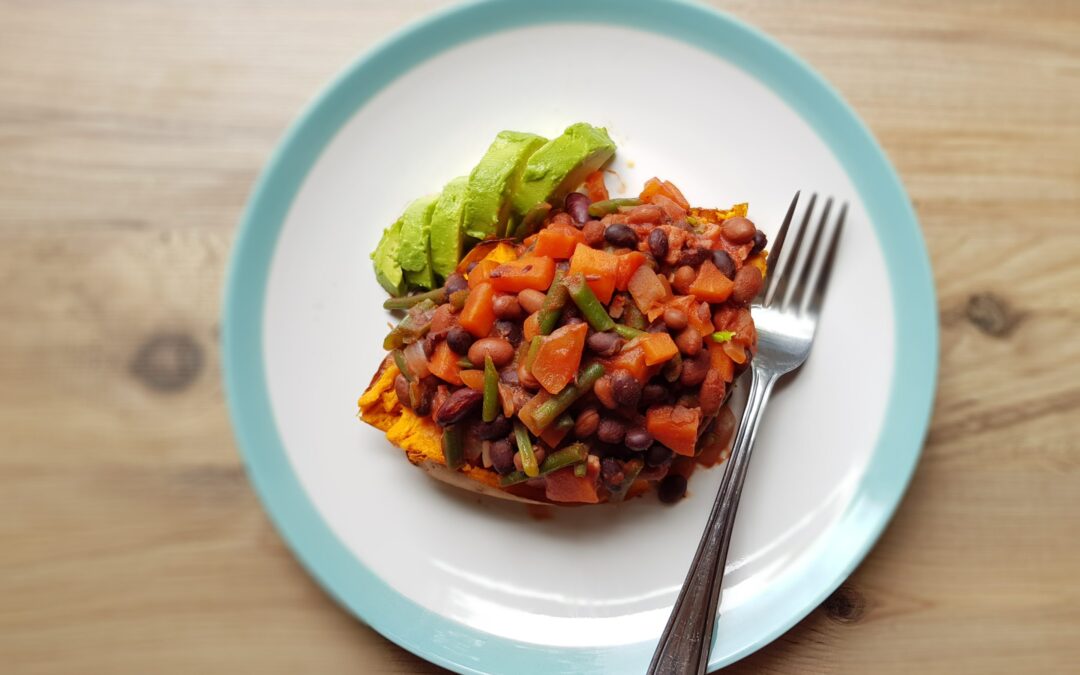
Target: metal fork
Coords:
[(786, 313)]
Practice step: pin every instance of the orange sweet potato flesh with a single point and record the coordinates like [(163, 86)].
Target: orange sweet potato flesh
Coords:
[(478, 315), (444, 364), (535, 272), (558, 242), (600, 269), (658, 348), (559, 357), (711, 285), (674, 426)]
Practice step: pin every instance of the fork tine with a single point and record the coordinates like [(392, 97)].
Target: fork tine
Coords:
[(813, 304), (779, 282), (778, 243), (810, 261)]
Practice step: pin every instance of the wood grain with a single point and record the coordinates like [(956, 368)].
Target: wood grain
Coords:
[(130, 135)]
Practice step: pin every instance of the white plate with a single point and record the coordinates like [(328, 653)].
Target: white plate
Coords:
[(480, 585)]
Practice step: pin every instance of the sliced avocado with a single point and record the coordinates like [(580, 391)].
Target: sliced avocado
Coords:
[(425, 278), (493, 181), (415, 253), (446, 227), (385, 257), (561, 165)]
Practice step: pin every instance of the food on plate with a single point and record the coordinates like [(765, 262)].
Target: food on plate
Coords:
[(586, 360)]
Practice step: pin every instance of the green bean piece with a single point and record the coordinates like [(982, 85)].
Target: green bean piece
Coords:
[(549, 410), (453, 446), (576, 453), (554, 302), (458, 299), (438, 296), (491, 390), (407, 331), (587, 302), (603, 208), (627, 332), (633, 317), (465, 363), (631, 470), (399, 361), (525, 449), (565, 422), (534, 349)]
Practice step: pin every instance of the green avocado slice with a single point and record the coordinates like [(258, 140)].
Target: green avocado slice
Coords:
[(387, 270), (446, 227), (493, 181), (414, 255), (562, 164)]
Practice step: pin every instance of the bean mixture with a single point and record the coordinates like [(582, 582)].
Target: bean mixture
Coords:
[(592, 360)]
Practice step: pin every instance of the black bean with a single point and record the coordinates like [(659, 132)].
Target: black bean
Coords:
[(426, 395), (509, 331), (760, 242), (455, 282), (672, 488), (654, 394), (657, 455), (611, 472), (621, 235), (605, 344), (401, 388), (577, 206), (611, 430), (724, 263), (658, 243), (458, 406), (498, 428), (509, 375), (693, 257), (459, 340), (502, 456), (625, 388), (638, 439)]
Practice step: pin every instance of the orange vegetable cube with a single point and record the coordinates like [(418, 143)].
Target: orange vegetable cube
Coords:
[(558, 242), (478, 315), (444, 364), (674, 426), (627, 265), (517, 275), (600, 269), (658, 348), (564, 486), (711, 285), (559, 357), (473, 379), (481, 272)]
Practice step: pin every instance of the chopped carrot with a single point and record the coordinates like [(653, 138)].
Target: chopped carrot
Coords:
[(444, 364), (564, 486), (481, 272), (555, 434), (711, 285), (558, 242), (627, 265), (478, 316), (595, 187), (658, 348), (646, 288), (532, 326), (674, 426), (630, 359), (600, 269), (720, 361), (473, 379), (559, 357), (535, 272)]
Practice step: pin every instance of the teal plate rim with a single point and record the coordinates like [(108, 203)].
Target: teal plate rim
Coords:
[(460, 647)]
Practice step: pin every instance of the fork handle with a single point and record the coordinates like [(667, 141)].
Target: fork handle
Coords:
[(686, 640)]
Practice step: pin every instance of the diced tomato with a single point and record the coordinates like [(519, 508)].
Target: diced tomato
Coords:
[(711, 285), (559, 357), (658, 348), (558, 242), (595, 187), (535, 272), (628, 264), (444, 364), (600, 269), (674, 426), (478, 316)]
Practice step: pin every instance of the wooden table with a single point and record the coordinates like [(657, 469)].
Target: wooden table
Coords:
[(130, 135)]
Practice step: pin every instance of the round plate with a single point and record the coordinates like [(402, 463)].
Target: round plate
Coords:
[(478, 585)]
